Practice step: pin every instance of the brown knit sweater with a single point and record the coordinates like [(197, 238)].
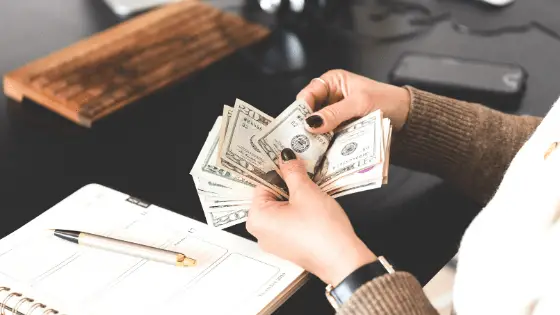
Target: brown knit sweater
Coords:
[(469, 146)]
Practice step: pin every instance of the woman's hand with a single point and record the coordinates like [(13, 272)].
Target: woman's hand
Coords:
[(310, 229), (350, 95)]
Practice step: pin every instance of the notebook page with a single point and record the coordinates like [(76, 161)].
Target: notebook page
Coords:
[(232, 276)]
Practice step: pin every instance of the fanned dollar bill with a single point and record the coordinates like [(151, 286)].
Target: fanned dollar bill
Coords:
[(345, 191), (242, 151), (355, 147), (288, 131), (241, 155), (222, 218), (225, 219), (205, 166), (226, 118), (376, 173)]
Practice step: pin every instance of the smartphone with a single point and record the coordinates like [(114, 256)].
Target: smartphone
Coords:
[(497, 85)]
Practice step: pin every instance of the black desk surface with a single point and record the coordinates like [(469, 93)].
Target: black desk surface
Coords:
[(148, 152)]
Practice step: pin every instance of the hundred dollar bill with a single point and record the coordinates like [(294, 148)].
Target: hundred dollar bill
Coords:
[(225, 219), (205, 169), (288, 131), (224, 198), (214, 208), (355, 147), (210, 188), (345, 191), (228, 203), (225, 164), (240, 154), (228, 111), (387, 157), (368, 174)]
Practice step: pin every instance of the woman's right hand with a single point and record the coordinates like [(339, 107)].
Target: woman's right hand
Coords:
[(348, 96)]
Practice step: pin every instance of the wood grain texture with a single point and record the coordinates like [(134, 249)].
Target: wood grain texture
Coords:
[(111, 69)]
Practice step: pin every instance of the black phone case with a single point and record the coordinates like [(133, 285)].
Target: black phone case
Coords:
[(504, 95)]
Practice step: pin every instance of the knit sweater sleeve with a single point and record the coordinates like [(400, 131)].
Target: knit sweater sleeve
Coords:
[(397, 293), (466, 144)]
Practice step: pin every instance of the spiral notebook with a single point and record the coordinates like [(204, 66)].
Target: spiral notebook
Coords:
[(42, 274)]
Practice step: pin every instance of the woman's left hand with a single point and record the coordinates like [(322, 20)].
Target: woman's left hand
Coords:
[(310, 230)]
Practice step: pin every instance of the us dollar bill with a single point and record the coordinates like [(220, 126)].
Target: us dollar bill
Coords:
[(239, 152), (225, 219), (228, 111), (387, 155), (226, 164), (226, 198), (288, 131), (369, 174), (205, 168), (355, 147), (345, 191), (212, 188), (230, 203), (242, 150)]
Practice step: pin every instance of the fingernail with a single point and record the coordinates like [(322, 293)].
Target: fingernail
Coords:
[(288, 154), (314, 121)]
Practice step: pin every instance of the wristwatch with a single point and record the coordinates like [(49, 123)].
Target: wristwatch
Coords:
[(344, 290)]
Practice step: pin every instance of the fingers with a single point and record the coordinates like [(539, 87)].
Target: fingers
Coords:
[(314, 94), (328, 88), (264, 209), (293, 171), (330, 117), (262, 196)]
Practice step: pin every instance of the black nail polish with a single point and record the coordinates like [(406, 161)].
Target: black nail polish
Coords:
[(314, 121), (288, 154)]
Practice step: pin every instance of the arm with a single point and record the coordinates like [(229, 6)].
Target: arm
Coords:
[(398, 293), (448, 138), (313, 231), (464, 143)]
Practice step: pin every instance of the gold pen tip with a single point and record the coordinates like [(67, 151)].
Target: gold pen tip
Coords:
[(188, 263), (184, 261)]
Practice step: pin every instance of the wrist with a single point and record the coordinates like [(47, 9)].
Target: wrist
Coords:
[(338, 295), (395, 102), (353, 259), (403, 104)]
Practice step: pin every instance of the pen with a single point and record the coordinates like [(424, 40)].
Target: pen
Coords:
[(124, 247)]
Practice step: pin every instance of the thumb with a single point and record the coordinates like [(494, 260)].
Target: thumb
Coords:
[(293, 171), (262, 196), (330, 117)]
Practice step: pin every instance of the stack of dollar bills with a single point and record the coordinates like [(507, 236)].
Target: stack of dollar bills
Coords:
[(243, 148)]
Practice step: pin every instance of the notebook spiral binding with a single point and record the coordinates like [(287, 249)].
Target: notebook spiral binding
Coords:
[(22, 300)]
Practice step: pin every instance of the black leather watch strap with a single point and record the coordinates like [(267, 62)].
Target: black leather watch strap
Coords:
[(344, 290)]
